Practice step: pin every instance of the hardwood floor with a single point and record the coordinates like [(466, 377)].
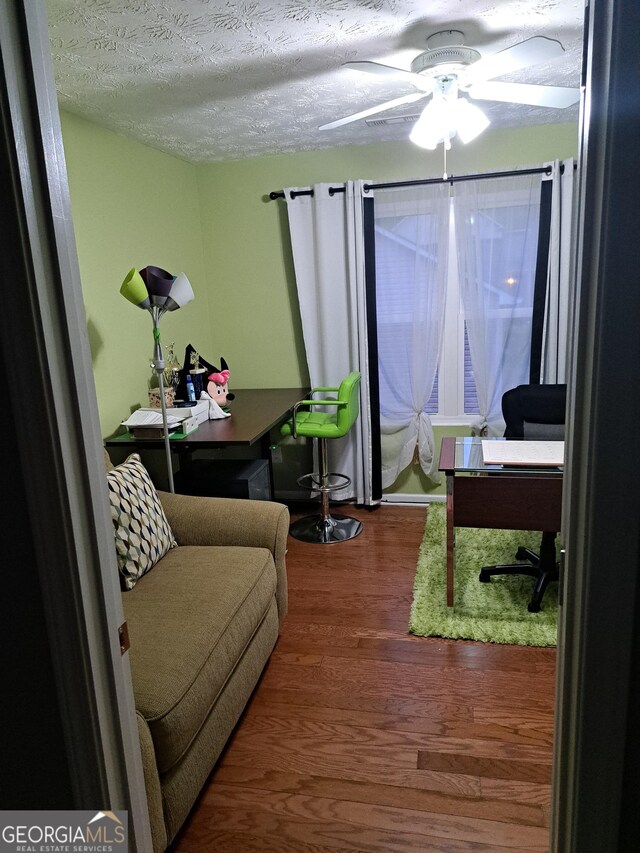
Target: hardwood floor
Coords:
[(361, 737)]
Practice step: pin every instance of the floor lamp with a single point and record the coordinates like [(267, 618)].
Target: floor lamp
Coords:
[(157, 291)]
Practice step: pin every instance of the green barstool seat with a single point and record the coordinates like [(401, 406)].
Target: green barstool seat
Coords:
[(336, 422)]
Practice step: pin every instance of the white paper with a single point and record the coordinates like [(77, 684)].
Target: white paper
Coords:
[(192, 411), (147, 418), (542, 453)]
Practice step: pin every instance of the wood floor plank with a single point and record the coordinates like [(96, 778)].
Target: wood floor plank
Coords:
[(418, 650), (392, 620), (367, 826), (379, 793), (516, 791), (281, 731), (294, 837), (335, 634), (496, 768), (395, 706), (456, 784), (367, 678), (463, 655), (540, 719), (361, 738), (356, 716)]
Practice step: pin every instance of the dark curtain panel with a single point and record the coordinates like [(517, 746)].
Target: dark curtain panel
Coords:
[(540, 287), (372, 334)]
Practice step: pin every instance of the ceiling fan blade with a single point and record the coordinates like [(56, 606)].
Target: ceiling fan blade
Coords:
[(525, 93), (521, 55), (405, 99), (391, 72)]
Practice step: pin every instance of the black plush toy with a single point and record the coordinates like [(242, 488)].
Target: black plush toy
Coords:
[(216, 380)]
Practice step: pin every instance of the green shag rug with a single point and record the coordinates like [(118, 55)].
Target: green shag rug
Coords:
[(493, 612)]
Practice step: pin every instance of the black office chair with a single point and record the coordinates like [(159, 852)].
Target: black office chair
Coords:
[(533, 412)]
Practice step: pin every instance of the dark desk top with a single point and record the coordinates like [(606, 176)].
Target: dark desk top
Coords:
[(253, 413), (464, 455)]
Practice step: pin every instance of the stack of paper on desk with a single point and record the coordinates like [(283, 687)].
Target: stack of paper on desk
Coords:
[(150, 419), (198, 410), (541, 453)]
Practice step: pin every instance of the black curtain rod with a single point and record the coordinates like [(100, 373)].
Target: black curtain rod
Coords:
[(450, 179)]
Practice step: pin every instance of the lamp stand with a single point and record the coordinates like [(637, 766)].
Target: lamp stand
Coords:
[(158, 366), (156, 291)]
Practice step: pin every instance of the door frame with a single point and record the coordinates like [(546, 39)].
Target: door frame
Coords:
[(44, 335), (597, 744)]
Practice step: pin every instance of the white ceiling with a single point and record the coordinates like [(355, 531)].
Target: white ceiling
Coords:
[(211, 80)]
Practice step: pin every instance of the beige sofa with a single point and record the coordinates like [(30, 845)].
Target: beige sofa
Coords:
[(202, 624)]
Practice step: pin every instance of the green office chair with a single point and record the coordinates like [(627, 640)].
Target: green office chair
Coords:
[(335, 423)]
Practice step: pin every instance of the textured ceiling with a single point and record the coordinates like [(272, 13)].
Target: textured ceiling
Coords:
[(211, 80)]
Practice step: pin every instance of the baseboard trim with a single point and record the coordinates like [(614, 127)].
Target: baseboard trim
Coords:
[(412, 500), (398, 498)]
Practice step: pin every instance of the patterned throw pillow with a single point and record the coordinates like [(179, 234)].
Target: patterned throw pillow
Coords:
[(142, 533)]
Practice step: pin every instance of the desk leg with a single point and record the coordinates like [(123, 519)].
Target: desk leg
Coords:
[(451, 541), (265, 452)]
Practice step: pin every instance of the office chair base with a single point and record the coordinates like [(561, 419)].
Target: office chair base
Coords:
[(325, 530), (533, 569)]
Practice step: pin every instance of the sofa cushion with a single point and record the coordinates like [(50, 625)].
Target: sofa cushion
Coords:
[(190, 620), (142, 532)]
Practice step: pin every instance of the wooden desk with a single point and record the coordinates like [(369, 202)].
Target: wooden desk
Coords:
[(513, 499), (254, 412)]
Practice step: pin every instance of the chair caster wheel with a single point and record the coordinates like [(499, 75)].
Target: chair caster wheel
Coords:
[(484, 578), (533, 607)]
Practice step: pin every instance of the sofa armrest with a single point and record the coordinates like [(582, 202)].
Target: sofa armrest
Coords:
[(152, 785), (230, 521)]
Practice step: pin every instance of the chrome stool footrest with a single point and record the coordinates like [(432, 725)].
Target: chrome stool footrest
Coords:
[(341, 481)]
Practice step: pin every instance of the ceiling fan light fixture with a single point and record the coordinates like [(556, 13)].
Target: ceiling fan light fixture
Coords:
[(469, 119), (447, 69), (436, 124), (445, 117)]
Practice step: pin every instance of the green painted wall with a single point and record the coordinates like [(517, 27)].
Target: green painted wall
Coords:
[(255, 315), (132, 206), (413, 481)]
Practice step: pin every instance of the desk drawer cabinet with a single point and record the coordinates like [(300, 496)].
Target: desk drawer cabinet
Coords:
[(226, 478)]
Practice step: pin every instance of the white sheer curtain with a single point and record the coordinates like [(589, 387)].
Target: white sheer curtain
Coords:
[(412, 228), (560, 285), (496, 225), (328, 254)]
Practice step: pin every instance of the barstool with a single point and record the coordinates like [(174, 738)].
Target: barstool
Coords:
[(324, 528)]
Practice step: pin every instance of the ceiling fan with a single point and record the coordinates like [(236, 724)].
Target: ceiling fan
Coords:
[(447, 69)]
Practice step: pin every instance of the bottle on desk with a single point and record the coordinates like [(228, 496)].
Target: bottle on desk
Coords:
[(191, 391)]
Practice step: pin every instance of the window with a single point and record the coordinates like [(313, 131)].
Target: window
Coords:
[(454, 391), (504, 233)]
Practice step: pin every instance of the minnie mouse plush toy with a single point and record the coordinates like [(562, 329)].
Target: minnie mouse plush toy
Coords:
[(218, 385)]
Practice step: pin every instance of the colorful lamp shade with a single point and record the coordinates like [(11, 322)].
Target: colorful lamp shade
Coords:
[(180, 294), (135, 290), (159, 283), (154, 287)]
